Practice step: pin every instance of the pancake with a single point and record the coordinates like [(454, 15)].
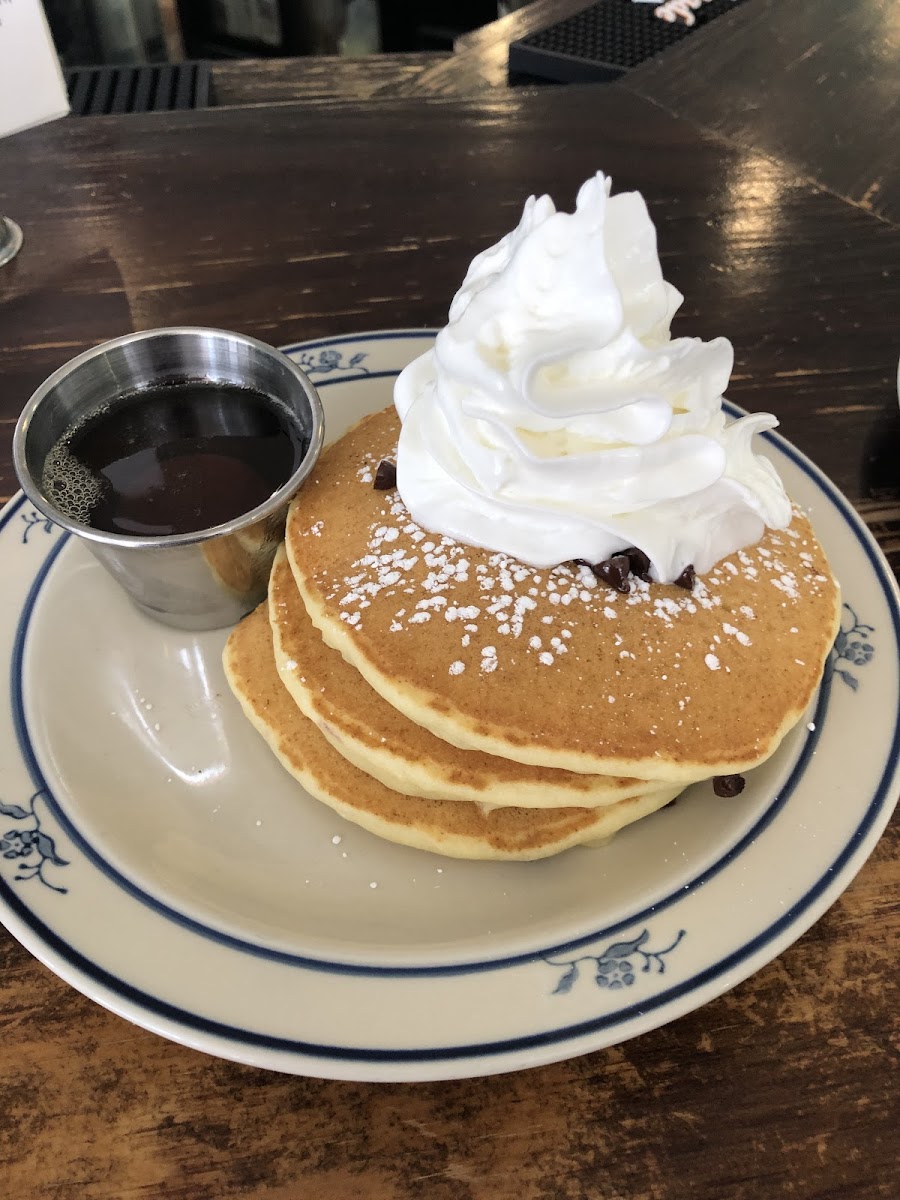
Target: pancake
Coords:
[(449, 827), (404, 756), (550, 667)]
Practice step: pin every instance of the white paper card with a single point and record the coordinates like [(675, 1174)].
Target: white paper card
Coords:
[(32, 88)]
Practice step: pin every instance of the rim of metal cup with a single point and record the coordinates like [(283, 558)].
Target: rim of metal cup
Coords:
[(33, 491)]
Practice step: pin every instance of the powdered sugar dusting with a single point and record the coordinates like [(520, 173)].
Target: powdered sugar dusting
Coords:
[(489, 658), (737, 634), (366, 472), (516, 611)]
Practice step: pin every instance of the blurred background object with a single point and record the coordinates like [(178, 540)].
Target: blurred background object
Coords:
[(110, 32), (416, 25), (88, 32), (32, 88)]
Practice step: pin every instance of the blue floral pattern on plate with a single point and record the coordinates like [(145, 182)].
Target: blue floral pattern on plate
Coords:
[(852, 648), (30, 844), (615, 966), (34, 520), (329, 361)]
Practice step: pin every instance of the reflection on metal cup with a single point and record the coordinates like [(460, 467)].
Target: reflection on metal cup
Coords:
[(198, 580), (10, 240)]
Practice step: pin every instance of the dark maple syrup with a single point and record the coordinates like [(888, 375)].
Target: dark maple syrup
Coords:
[(174, 459)]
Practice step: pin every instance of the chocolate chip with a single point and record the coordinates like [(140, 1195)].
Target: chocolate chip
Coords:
[(686, 579), (640, 563), (727, 786), (614, 571), (385, 476)]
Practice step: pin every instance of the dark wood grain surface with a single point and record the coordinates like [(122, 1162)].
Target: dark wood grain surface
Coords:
[(287, 80), (816, 82), (297, 222)]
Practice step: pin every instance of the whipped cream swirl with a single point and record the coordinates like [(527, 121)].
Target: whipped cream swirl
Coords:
[(557, 418)]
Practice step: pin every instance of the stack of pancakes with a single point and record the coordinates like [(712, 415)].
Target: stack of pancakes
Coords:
[(456, 700)]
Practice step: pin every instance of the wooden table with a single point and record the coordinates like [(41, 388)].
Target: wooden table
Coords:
[(298, 221)]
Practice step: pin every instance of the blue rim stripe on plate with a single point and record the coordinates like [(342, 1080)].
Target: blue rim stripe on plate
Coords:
[(336, 967), (475, 1049), (250, 1038), (306, 962)]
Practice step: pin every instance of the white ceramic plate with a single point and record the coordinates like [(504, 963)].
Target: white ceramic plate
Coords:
[(154, 854)]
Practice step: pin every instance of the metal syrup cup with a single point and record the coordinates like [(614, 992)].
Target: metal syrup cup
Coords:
[(201, 580)]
